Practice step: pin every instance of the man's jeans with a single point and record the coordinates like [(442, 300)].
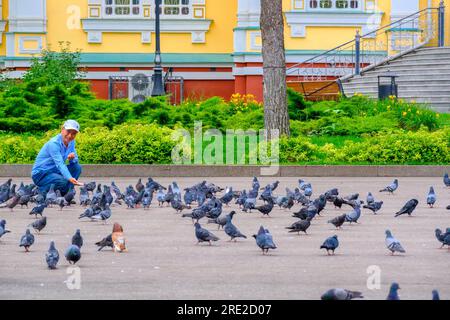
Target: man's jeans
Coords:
[(45, 179)]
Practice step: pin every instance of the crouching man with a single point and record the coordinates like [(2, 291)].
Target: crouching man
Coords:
[(50, 165)]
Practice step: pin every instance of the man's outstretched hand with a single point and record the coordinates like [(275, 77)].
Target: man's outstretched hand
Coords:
[(71, 156), (76, 182)]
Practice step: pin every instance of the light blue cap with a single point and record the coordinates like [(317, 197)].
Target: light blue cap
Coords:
[(71, 125)]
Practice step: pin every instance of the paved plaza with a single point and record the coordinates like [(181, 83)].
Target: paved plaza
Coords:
[(164, 262)]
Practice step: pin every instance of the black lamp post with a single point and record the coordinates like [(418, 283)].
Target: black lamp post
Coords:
[(158, 85)]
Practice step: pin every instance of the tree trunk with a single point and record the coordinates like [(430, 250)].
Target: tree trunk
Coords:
[(276, 114)]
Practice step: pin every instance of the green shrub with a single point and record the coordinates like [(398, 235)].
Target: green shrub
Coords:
[(126, 144), (298, 149), (399, 147)]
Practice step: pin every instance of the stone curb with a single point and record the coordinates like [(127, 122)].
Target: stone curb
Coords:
[(113, 170)]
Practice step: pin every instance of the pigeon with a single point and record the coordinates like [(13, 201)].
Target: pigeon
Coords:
[(264, 240), (446, 180), (23, 200), (105, 242), (50, 197), (90, 186), (117, 192), (40, 224), (306, 212), (249, 204), (370, 198), (118, 239), (70, 195), (431, 197), (435, 295), (266, 208), (222, 220), (391, 188), (3, 230), (27, 240), (90, 212), (303, 184), (300, 226), (52, 256), (441, 237), (354, 215), (231, 230), (60, 200), (161, 197), (204, 235), (330, 244), (338, 202), (393, 244), (73, 254), (147, 198), (408, 207), (308, 192), (338, 221), (77, 239), (228, 196), (178, 205), (341, 294), (139, 185), (189, 196), (11, 203), (176, 191), (107, 196), (393, 294), (374, 206), (84, 197), (38, 210), (103, 215)]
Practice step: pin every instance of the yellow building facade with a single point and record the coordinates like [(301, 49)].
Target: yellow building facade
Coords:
[(215, 46)]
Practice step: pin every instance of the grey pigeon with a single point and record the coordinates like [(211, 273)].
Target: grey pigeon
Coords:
[(90, 212), (51, 196), (70, 195), (264, 240), (338, 221), (77, 239), (27, 240), (352, 197), (11, 203), (231, 230), (204, 235), (341, 294), (90, 186), (370, 198), (178, 205), (391, 188), (3, 230), (84, 197), (52, 256), (441, 237), (222, 220), (431, 197), (73, 254), (105, 242), (103, 215), (266, 209), (374, 206), (228, 196), (354, 215), (306, 212), (408, 208), (330, 244), (446, 180), (300, 226), (40, 224), (393, 292), (393, 244), (38, 210)]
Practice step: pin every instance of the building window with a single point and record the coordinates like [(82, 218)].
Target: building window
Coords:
[(334, 4), (176, 8), (121, 8)]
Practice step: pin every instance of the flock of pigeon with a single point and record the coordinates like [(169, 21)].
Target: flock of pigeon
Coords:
[(209, 199)]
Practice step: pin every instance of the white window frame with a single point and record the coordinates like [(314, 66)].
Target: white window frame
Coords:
[(333, 6), (177, 16), (113, 5)]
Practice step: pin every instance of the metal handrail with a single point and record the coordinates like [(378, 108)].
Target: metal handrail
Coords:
[(400, 21), (356, 64)]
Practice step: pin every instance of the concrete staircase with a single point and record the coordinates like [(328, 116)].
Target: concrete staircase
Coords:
[(424, 76)]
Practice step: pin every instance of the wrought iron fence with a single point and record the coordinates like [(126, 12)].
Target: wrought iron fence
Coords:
[(370, 49)]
